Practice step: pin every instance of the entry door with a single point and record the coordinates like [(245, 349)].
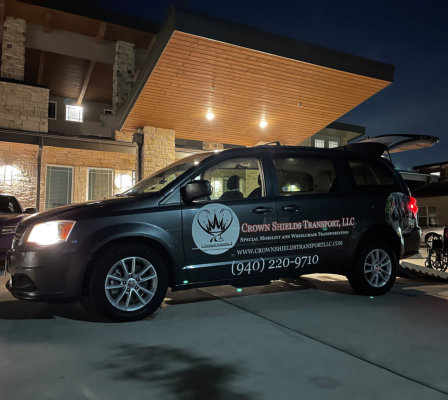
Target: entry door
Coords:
[(315, 222), (227, 236)]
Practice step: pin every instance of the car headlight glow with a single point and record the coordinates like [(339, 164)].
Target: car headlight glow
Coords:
[(49, 233)]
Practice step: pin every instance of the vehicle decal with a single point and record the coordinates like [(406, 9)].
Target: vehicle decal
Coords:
[(397, 212), (215, 228)]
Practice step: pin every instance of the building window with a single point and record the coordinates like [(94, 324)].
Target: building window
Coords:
[(320, 143), (52, 109), (123, 182), (427, 216), (73, 113), (58, 191), (100, 183), (332, 144)]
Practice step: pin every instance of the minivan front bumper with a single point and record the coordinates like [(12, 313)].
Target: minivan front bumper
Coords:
[(43, 275)]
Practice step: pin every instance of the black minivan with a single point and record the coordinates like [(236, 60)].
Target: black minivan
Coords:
[(243, 217)]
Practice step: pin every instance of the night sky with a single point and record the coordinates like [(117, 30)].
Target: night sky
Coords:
[(411, 35)]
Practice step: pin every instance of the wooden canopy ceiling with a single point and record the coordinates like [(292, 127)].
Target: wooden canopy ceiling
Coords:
[(242, 86)]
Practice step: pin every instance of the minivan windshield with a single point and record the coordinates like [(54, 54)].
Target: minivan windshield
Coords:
[(162, 178)]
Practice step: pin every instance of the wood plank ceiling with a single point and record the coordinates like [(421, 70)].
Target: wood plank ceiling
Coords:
[(241, 87)]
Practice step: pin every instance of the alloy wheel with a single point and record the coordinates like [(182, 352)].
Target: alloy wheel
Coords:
[(131, 283), (378, 268)]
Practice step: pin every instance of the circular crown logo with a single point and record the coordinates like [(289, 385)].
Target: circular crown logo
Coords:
[(215, 228)]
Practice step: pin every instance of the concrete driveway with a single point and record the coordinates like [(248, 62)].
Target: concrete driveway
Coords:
[(310, 338)]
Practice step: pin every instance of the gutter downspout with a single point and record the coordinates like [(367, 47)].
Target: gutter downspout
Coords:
[(137, 137), (39, 167)]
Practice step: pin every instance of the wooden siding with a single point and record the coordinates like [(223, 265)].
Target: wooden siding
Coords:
[(242, 86)]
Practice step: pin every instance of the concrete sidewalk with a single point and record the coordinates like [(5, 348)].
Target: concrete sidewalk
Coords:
[(315, 339)]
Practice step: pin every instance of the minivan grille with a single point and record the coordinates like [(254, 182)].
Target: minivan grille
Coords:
[(8, 230)]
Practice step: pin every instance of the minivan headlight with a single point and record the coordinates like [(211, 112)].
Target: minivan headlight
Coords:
[(49, 233)]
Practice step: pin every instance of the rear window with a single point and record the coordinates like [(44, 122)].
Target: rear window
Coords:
[(371, 173)]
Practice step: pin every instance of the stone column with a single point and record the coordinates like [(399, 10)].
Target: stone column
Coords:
[(13, 48), (123, 73), (158, 149)]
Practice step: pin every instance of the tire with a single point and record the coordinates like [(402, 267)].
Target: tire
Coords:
[(129, 282), (369, 277)]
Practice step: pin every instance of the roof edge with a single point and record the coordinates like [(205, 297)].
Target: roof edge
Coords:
[(271, 43)]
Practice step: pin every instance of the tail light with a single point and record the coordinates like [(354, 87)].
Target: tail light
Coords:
[(413, 208)]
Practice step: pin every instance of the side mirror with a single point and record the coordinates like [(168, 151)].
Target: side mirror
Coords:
[(30, 210), (195, 190)]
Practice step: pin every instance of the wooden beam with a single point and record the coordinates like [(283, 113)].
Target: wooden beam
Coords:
[(47, 29), (81, 46), (99, 39), (2, 11), (86, 82), (101, 32), (40, 71), (47, 22)]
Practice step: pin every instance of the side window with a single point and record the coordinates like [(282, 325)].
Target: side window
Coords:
[(237, 178), (297, 175), (369, 172)]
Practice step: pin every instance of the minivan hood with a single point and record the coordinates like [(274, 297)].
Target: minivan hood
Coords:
[(91, 209)]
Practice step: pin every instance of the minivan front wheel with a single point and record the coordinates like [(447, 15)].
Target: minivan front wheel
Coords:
[(375, 269), (128, 282)]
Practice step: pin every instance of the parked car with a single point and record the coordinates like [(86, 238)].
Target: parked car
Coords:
[(11, 213), (241, 217), (428, 230)]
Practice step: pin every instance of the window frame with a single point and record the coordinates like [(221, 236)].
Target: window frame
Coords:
[(275, 182), (257, 157), (74, 120), (88, 181), (396, 186), (71, 183), (55, 110), (427, 216)]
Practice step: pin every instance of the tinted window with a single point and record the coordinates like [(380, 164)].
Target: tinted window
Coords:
[(9, 205), (165, 176), (237, 178), (369, 172), (296, 175)]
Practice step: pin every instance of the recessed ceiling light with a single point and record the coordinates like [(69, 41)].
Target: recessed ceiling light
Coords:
[(299, 104), (209, 115), (263, 124)]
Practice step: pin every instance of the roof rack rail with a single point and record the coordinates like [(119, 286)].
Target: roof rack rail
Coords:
[(276, 143)]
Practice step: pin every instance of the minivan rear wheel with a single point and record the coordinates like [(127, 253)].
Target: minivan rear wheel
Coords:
[(375, 269), (129, 282)]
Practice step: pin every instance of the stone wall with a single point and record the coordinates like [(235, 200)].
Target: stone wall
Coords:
[(23, 107), (13, 48), (123, 73), (158, 149), (18, 172)]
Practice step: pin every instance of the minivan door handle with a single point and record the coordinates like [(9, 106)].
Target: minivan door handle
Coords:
[(262, 210), (291, 207)]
